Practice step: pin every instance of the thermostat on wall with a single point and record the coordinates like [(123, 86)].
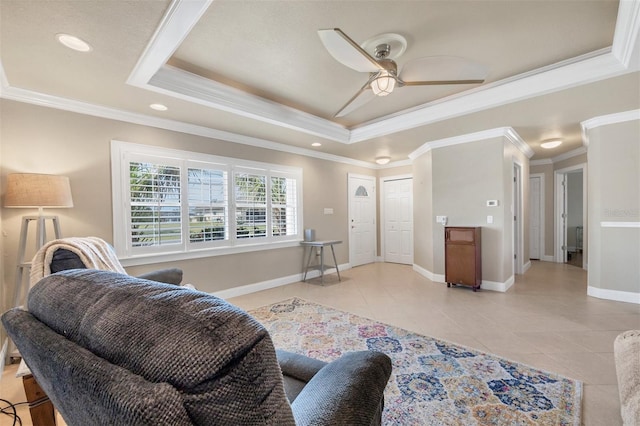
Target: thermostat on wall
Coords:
[(492, 203)]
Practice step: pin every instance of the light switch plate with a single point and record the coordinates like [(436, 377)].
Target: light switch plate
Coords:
[(328, 210)]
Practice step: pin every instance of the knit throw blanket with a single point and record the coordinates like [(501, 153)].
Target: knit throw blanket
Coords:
[(94, 252)]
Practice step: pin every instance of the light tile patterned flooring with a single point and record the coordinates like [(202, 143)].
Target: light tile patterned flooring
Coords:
[(545, 320)]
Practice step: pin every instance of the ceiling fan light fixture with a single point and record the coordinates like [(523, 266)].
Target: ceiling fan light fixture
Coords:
[(383, 160), (551, 143), (383, 84)]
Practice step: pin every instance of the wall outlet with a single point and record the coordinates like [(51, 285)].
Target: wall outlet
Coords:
[(441, 219), (489, 219)]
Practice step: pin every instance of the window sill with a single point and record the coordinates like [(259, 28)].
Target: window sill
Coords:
[(197, 254)]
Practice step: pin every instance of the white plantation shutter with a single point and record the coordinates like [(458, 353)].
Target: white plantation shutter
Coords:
[(251, 205), (208, 205), (284, 206), (169, 202), (155, 204)]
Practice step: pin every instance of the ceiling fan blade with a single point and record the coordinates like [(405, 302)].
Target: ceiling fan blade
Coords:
[(443, 70), (364, 95), (347, 51)]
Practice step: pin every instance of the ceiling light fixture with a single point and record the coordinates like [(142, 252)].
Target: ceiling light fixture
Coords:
[(551, 143), (73, 42), (383, 83), (383, 160), (158, 107), (316, 144)]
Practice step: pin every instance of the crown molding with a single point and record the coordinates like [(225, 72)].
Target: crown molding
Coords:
[(395, 164), (625, 38), (49, 101), (570, 154), (194, 88), (575, 72), (605, 120), (542, 162), (499, 132), (176, 24)]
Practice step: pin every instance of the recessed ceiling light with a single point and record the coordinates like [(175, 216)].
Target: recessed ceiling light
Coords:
[(551, 143), (73, 42), (158, 107), (383, 160), (316, 144)]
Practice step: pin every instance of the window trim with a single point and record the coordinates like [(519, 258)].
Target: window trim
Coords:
[(120, 155)]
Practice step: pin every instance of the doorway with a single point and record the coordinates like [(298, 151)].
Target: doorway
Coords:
[(362, 219), (536, 217), (396, 199), (570, 213)]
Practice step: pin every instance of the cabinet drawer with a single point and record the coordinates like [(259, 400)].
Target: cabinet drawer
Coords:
[(460, 235)]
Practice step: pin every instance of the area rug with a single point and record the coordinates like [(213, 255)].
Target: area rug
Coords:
[(433, 382)]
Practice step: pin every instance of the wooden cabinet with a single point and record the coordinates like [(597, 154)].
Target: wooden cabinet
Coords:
[(462, 256)]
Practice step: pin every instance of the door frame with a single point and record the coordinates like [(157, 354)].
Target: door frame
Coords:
[(517, 240), (384, 179), (559, 255), (375, 214), (541, 213)]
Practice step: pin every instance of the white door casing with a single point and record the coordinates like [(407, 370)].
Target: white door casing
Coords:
[(362, 219), (516, 210), (397, 219)]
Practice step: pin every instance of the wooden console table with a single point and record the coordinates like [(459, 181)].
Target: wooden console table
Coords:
[(321, 266)]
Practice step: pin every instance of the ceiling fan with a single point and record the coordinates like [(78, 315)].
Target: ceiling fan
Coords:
[(383, 71)]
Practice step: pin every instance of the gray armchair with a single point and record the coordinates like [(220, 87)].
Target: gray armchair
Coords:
[(108, 348)]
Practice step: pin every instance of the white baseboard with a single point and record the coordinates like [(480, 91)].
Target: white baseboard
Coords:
[(486, 285), (498, 286), (526, 267), (546, 258), (618, 296), (436, 278), (277, 282)]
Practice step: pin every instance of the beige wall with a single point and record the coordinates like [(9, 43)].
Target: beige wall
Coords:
[(423, 215), (456, 181), (44, 140), (614, 196)]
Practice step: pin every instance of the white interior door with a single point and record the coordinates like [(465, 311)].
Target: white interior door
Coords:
[(398, 221), (362, 219), (535, 251)]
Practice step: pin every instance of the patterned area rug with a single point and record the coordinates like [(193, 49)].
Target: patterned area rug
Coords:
[(433, 382)]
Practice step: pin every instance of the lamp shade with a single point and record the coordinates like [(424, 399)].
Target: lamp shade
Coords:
[(31, 190)]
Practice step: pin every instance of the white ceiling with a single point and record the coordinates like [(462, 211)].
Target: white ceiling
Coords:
[(256, 72)]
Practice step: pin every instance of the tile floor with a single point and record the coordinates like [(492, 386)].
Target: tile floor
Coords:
[(545, 320)]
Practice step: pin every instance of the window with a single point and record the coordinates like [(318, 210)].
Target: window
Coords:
[(177, 202)]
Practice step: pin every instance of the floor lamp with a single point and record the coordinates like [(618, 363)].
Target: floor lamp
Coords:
[(30, 190)]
